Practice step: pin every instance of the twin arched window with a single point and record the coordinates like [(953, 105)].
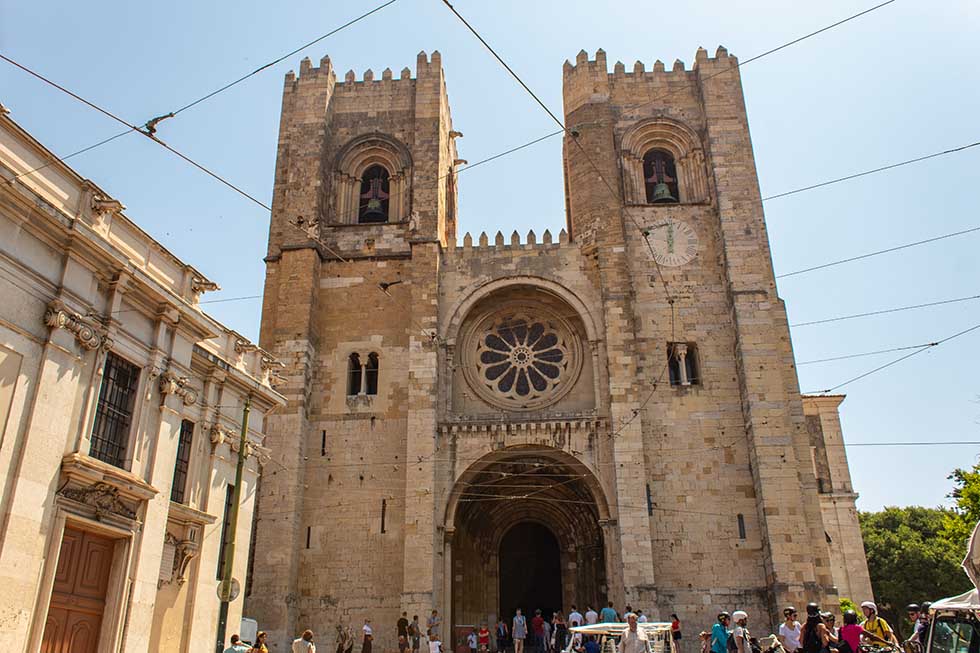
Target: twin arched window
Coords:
[(660, 177), (362, 378), (374, 201)]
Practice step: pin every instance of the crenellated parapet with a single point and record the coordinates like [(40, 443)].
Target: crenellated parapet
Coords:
[(589, 80), (483, 245)]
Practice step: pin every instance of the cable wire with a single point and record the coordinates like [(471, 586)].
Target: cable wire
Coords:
[(880, 251), (866, 353), (133, 127), (885, 311), (897, 360), (873, 171)]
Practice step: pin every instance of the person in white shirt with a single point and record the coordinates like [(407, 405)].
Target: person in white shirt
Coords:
[(591, 616), (435, 646), (304, 644), (575, 617), (634, 639), (368, 636), (640, 617), (789, 630)]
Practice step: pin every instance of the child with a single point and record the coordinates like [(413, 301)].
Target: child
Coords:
[(484, 638), (435, 646), (705, 638), (471, 639)]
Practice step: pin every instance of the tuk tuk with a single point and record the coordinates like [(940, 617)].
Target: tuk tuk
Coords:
[(955, 621)]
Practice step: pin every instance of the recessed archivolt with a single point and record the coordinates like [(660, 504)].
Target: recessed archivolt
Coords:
[(575, 497), (461, 310), (680, 141)]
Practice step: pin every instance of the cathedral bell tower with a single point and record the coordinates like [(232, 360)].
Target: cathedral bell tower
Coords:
[(364, 199)]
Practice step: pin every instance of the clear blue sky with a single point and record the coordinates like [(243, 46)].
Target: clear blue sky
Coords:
[(900, 82)]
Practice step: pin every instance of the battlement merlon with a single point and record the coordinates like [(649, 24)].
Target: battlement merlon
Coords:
[(589, 80), (426, 68)]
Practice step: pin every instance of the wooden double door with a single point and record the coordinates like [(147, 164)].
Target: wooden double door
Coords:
[(78, 598)]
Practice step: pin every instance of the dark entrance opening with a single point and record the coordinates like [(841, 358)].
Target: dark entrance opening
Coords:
[(530, 571)]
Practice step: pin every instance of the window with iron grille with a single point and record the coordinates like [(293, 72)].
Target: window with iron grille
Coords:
[(225, 529), (114, 413), (179, 488)]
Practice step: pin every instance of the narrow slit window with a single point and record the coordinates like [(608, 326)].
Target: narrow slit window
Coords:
[(323, 443), (354, 372), (309, 534), (178, 490), (374, 197), (660, 177), (371, 374), (741, 526), (649, 501), (384, 513)]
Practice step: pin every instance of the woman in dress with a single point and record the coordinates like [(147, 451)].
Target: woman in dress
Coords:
[(368, 636)]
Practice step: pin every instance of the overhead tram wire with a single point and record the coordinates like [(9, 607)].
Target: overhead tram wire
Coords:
[(885, 311), (872, 171), (154, 121), (877, 253), (896, 361), (140, 130), (866, 353)]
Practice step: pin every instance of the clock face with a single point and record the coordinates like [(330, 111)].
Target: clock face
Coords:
[(674, 242)]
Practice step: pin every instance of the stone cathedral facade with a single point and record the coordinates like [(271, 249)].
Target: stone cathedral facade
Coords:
[(606, 412)]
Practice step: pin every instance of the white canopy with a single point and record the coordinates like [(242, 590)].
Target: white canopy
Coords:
[(616, 628), (966, 601)]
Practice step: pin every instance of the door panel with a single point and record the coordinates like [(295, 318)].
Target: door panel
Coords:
[(78, 596)]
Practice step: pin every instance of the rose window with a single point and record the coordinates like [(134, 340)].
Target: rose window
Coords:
[(522, 358)]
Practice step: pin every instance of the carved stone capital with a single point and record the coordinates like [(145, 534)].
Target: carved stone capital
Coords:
[(170, 383), (57, 316)]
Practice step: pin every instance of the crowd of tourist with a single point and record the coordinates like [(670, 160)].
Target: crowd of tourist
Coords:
[(819, 633)]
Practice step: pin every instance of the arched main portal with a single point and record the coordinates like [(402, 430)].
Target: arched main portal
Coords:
[(526, 533)]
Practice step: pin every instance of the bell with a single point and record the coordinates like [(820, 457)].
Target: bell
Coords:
[(374, 212), (661, 194)]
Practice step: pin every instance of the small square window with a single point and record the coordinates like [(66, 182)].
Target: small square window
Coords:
[(682, 364)]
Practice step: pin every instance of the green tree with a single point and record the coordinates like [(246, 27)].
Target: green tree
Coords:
[(910, 561), (958, 523)]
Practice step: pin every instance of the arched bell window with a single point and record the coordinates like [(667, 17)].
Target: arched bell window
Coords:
[(375, 195), (354, 372), (660, 177)]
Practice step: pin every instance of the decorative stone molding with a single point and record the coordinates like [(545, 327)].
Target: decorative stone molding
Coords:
[(537, 428), (102, 497), (220, 435), (103, 209), (170, 383), (57, 316), (182, 542), (243, 346)]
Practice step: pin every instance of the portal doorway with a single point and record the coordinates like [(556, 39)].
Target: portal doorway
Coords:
[(530, 570), (525, 533)]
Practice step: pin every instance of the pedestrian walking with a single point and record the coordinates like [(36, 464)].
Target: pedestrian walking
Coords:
[(236, 645), (675, 631), (259, 645), (415, 633), (537, 627), (368, 632), (435, 646), (304, 643), (789, 630), (634, 639), (502, 636), (705, 638), (719, 633), (402, 627), (519, 631), (591, 616), (741, 633), (575, 617), (345, 639), (546, 634), (561, 631), (433, 624), (471, 640), (483, 637), (640, 617), (608, 614)]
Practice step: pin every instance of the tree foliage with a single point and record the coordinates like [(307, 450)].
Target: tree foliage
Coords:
[(911, 559), (958, 523)]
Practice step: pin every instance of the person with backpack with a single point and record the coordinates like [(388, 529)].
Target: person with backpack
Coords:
[(875, 625), (719, 634), (815, 637), (852, 632), (740, 639)]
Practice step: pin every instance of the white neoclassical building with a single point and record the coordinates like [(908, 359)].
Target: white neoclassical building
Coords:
[(120, 410)]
